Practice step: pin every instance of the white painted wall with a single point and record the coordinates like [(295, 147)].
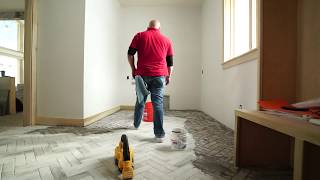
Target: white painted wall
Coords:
[(60, 58), (6, 5), (101, 56), (82, 63), (161, 2), (183, 26), (223, 90)]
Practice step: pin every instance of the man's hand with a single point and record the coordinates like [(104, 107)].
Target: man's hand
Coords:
[(170, 69), (131, 62), (167, 80), (133, 73)]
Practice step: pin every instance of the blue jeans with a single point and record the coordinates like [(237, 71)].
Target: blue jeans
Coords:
[(156, 87)]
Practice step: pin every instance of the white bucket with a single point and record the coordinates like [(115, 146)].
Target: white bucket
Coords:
[(178, 139)]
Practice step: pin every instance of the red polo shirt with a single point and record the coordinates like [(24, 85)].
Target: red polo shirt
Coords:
[(153, 48)]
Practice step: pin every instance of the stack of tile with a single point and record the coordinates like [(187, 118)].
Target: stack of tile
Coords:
[(166, 102)]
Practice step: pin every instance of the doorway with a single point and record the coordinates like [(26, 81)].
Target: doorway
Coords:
[(17, 63)]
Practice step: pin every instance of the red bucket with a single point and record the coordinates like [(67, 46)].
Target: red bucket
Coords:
[(148, 112)]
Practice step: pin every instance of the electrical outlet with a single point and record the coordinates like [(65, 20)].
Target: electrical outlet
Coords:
[(202, 72)]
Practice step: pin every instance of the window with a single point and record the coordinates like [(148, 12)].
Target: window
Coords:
[(11, 48), (10, 65), (240, 27)]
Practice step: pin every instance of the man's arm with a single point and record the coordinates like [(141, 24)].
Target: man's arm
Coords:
[(131, 62), (131, 53), (170, 69), (169, 60)]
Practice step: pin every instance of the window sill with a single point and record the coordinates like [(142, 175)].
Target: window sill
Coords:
[(11, 53), (246, 57)]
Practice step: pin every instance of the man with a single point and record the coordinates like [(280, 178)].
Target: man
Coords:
[(155, 65)]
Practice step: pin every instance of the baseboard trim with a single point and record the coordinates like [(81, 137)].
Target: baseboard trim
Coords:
[(51, 121), (101, 115), (126, 107)]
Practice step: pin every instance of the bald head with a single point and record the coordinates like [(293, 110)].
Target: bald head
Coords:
[(154, 24)]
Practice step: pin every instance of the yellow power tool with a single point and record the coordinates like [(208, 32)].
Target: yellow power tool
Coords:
[(123, 158)]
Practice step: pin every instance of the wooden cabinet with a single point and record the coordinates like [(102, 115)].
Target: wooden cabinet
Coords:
[(308, 49), (289, 70), (290, 50), (278, 48), (269, 141), (8, 83)]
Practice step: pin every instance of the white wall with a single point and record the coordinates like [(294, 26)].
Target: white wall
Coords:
[(183, 26), (11, 5), (82, 63), (101, 56), (161, 3), (60, 58), (223, 90)]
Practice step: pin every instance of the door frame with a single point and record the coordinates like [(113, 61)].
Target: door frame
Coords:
[(30, 59)]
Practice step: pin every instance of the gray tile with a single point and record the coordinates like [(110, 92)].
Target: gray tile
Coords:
[(87, 152)]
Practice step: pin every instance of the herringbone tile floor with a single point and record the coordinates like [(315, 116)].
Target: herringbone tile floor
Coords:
[(214, 149), (75, 153), (87, 153)]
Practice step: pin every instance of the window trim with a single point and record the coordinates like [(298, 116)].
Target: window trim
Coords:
[(11, 53), (21, 35), (250, 55), (243, 58)]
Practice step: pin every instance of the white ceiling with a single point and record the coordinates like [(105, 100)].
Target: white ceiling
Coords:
[(161, 2)]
